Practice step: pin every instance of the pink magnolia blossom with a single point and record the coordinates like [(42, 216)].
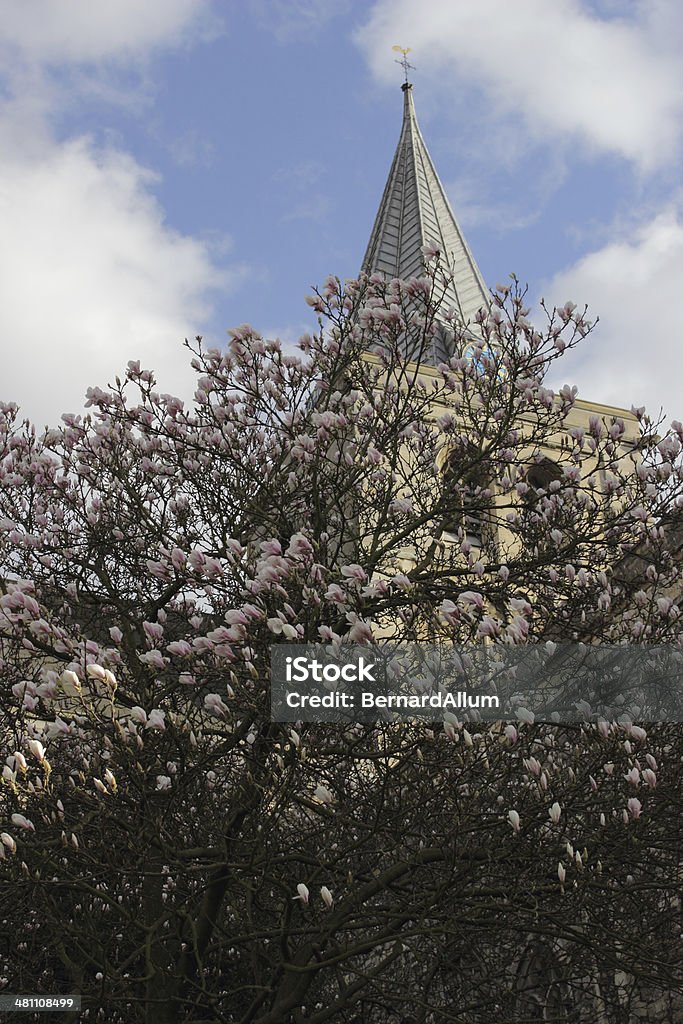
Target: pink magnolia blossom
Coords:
[(360, 632), (21, 822), (215, 706), (634, 807), (236, 617), (25, 687), (179, 648), (488, 627), (354, 572), (299, 547), (431, 250), (155, 719), (665, 606), (154, 659), (153, 630)]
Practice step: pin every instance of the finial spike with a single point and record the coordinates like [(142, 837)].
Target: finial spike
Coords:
[(405, 50)]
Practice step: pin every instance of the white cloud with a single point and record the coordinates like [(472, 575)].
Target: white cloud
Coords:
[(92, 274), (82, 31), (612, 84), (92, 277), (633, 284)]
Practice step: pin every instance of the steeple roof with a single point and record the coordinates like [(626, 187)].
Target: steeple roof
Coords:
[(415, 211)]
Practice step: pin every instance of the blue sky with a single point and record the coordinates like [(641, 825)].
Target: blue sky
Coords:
[(177, 167)]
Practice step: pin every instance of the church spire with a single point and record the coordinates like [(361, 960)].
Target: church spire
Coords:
[(415, 211)]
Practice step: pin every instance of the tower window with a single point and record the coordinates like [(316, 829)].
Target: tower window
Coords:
[(465, 498), (539, 477)]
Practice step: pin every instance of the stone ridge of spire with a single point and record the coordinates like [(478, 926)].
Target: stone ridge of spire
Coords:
[(414, 211)]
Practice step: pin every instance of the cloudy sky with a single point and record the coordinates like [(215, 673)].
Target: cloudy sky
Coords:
[(176, 167)]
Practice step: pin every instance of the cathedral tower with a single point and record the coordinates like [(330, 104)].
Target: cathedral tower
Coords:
[(415, 211)]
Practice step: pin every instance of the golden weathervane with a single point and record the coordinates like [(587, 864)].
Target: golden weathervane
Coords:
[(405, 50)]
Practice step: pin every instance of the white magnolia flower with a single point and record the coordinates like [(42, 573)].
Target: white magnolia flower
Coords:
[(302, 890), (37, 749), (8, 842), (323, 795), (69, 678)]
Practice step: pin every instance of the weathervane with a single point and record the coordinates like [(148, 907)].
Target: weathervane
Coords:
[(405, 50)]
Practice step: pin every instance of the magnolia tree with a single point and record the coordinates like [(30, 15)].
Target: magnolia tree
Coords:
[(170, 852)]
